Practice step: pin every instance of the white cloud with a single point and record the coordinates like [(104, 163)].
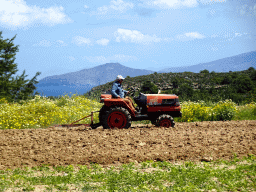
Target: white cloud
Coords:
[(194, 35), (60, 43), (134, 36), (190, 36), (86, 7), (96, 59), (173, 3), (103, 42), (46, 43), (214, 36), (16, 14), (115, 6), (176, 4), (247, 10), (71, 58), (43, 43), (238, 34), (214, 48), (123, 58), (114, 58), (81, 41), (231, 36), (210, 2)]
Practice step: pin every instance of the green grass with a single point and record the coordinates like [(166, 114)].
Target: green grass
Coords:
[(245, 113), (220, 175)]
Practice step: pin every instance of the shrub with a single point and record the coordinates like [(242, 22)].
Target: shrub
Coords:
[(201, 111), (149, 87), (3, 100), (194, 111), (224, 110)]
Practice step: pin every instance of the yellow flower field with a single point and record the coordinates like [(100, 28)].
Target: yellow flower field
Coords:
[(43, 112)]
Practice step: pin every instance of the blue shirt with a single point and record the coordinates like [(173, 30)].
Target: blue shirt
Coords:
[(117, 90)]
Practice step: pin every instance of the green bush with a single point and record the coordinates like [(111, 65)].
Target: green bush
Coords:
[(149, 87), (224, 110), (202, 111)]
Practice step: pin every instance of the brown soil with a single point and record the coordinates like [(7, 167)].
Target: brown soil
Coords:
[(196, 141)]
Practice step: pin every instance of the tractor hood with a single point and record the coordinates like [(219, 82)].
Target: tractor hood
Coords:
[(157, 99), (162, 99)]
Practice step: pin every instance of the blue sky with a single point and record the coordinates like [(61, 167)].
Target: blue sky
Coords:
[(60, 36)]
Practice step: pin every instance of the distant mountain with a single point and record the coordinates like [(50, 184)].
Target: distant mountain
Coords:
[(235, 63), (83, 80)]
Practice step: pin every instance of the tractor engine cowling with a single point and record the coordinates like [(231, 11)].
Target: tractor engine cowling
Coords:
[(157, 99), (159, 103)]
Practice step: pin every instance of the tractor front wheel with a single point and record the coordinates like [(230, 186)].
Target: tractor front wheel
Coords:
[(116, 117), (165, 121)]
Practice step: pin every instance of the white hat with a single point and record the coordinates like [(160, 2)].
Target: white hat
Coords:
[(119, 77)]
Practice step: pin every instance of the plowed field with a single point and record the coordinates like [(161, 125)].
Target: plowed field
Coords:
[(79, 145)]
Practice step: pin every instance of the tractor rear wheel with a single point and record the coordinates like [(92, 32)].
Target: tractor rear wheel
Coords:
[(116, 117), (165, 121)]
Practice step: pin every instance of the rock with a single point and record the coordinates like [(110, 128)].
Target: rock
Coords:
[(206, 159), (142, 144)]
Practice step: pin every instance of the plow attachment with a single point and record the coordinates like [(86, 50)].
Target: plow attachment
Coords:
[(93, 126)]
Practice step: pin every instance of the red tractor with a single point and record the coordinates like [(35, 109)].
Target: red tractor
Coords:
[(158, 108)]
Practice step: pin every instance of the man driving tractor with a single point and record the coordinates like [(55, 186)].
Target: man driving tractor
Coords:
[(118, 92), (118, 111)]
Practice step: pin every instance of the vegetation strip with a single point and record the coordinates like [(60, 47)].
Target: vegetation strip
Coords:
[(220, 175), (42, 112)]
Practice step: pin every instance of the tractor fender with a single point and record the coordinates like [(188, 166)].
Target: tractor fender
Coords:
[(119, 102)]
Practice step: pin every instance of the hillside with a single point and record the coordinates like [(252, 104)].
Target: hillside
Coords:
[(192, 86), (235, 63), (83, 80)]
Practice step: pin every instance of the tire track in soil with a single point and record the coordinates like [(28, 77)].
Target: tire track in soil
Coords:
[(195, 141)]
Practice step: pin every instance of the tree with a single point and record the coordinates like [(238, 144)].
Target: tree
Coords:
[(251, 69), (226, 80), (186, 91), (176, 82), (253, 75), (205, 71), (13, 89), (149, 87), (243, 84)]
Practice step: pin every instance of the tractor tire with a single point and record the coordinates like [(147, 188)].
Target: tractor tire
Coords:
[(165, 121), (116, 117)]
